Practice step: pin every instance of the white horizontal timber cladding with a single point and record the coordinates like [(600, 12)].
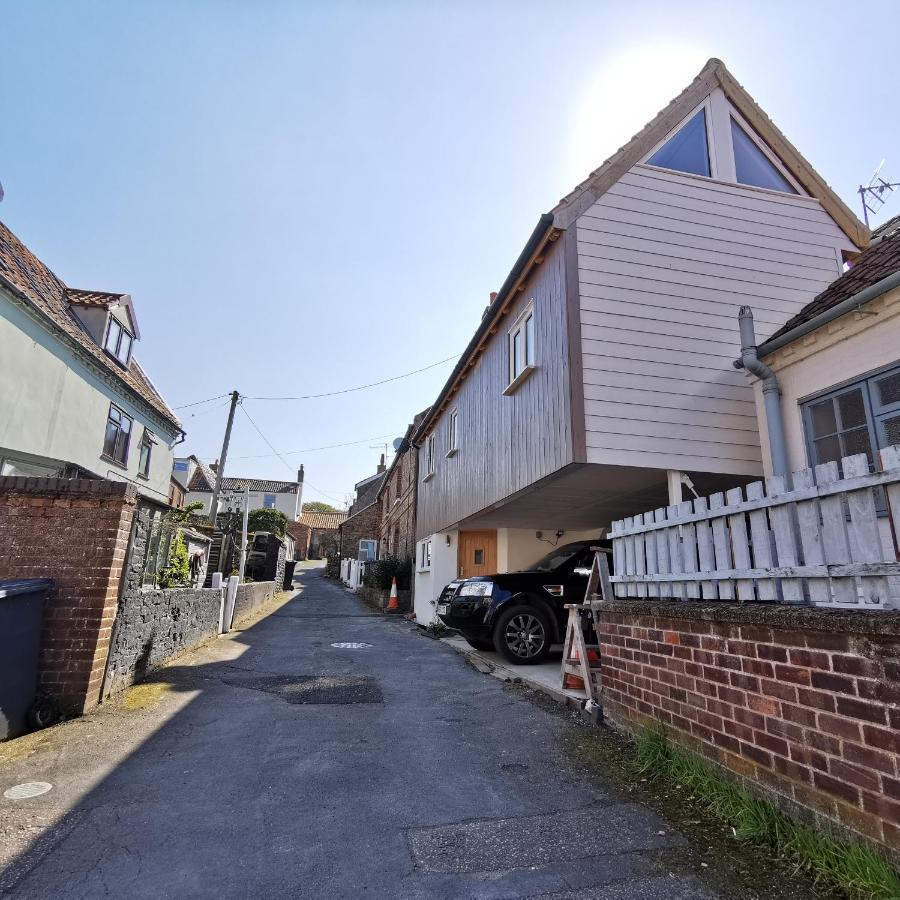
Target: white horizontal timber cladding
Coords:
[(612, 216), (668, 295), (607, 310), (817, 542), (664, 410), (818, 260), (736, 268), (665, 261), (679, 385)]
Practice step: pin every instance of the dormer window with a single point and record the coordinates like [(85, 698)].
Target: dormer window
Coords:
[(118, 341)]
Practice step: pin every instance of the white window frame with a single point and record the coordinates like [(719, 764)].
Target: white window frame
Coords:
[(429, 457), (148, 441), (424, 556), (520, 328), (114, 348), (371, 549), (719, 111), (453, 433)]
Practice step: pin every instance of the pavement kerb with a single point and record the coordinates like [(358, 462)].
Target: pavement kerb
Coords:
[(519, 675)]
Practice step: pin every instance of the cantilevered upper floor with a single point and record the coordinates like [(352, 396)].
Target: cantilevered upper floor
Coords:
[(605, 360)]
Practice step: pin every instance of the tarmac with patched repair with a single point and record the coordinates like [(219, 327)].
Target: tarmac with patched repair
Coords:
[(270, 763)]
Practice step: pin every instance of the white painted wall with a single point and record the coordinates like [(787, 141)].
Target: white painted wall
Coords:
[(54, 406), (847, 348), (519, 548), (665, 262), (289, 504), (429, 583)]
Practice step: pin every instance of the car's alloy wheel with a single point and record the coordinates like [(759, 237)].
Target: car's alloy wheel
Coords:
[(522, 635)]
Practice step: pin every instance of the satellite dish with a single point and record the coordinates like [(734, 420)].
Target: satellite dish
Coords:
[(400, 445), (397, 443)]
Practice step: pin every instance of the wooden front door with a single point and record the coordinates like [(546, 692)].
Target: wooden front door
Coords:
[(477, 553)]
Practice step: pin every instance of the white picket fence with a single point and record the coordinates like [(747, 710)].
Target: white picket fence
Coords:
[(819, 542)]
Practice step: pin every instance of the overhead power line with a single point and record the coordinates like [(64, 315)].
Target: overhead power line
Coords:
[(314, 449), (350, 390)]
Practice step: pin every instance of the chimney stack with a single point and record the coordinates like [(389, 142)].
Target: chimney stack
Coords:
[(215, 466), (300, 475), (493, 297), (381, 466)]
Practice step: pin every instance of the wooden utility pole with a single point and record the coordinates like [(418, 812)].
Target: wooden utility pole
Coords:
[(235, 396)]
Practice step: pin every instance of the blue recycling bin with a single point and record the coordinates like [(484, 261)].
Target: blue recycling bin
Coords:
[(21, 613)]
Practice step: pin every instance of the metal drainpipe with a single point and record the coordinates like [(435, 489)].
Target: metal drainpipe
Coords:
[(771, 392)]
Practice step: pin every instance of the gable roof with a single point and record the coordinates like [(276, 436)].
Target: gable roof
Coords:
[(324, 521), (713, 75), (204, 480), (550, 225), (874, 264), (28, 279)]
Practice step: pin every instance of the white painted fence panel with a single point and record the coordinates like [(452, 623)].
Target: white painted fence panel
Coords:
[(816, 542)]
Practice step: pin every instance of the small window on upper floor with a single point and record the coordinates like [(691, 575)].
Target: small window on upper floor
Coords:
[(147, 443), (452, 433), (268, 501), (429, 457), (687, 150), (521, 348), (752, 166), (118, 341)]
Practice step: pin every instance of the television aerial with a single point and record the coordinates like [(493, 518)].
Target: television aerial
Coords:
[(873, 194)]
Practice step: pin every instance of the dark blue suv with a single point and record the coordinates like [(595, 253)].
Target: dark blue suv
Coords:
[(520, 614)]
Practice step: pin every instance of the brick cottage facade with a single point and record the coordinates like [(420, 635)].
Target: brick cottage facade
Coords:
[(397, 500), (363, 522), (802, 704)]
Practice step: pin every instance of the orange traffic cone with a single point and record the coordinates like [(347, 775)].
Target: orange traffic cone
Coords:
[(393, 603)]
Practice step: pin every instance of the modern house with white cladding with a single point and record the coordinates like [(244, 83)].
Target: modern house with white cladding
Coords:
[(600, 379)]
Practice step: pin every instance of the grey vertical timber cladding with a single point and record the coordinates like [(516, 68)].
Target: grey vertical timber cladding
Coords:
[(506, 443), (665, 262)]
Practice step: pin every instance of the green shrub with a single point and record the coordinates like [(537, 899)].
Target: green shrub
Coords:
[(272, 520), (381, 572), (177, 571)]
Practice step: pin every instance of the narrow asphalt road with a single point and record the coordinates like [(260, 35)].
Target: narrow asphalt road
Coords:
[(273, 763)]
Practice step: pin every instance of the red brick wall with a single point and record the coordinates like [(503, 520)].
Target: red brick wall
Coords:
[(804, 703), (363, 525), (75, 532)]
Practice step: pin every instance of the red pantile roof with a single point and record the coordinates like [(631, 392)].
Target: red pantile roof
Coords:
[(874, 263), (325, 521), (23, 273)]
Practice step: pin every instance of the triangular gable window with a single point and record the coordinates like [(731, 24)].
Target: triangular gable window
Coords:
[(686, 150), (752, 166)]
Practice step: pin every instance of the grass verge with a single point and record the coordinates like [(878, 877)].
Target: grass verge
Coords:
[(854, 868)]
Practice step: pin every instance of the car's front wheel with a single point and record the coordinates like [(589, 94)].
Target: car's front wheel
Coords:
[(523, 634)]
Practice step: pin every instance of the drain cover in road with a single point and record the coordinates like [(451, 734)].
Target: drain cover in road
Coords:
[(351, 645), (27, 790), (321, 689)]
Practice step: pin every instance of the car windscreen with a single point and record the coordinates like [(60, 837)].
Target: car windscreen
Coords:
[(557, 557)]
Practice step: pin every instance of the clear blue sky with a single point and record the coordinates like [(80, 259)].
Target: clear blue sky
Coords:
[(302, 197)]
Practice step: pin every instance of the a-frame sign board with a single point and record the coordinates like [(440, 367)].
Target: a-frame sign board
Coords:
[(581, 660)]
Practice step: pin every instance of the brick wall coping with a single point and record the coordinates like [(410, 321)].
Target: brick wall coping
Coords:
[(875, 622), (91, 487)]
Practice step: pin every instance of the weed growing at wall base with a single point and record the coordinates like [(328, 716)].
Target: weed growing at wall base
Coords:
[(852, 867)]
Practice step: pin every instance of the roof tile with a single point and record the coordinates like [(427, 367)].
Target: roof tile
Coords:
[(27, 275)]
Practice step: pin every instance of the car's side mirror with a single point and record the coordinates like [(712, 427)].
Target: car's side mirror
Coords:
[(581, 570)]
